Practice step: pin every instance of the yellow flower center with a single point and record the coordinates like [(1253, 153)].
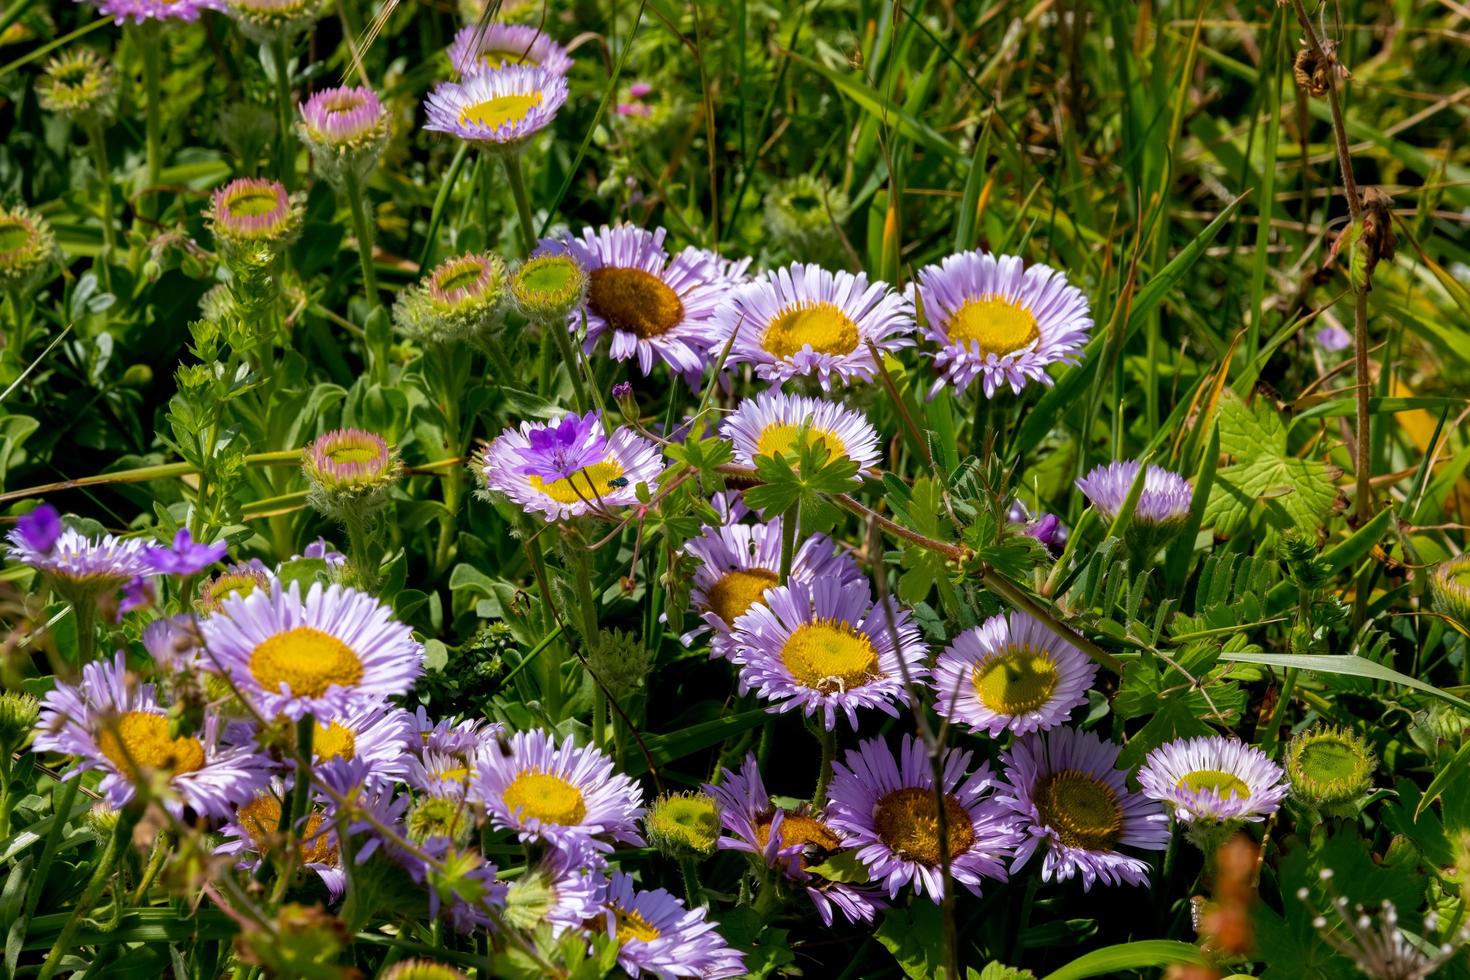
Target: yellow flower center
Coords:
[(828, 655), (632, 925), (139, 741), (496, 112), (907, 820), (587, 484), (633, 300), (454, 774), (334, 741), (495, 57), (787, 439), (547, 274), (548, 798), (737, 590), (13, 234), (798, 828), (1222, 784), (1083, 810), (1000, 325), (261, 819), (821, 326), (353, 453), (1020, 680), (306, 660), (252, 202)]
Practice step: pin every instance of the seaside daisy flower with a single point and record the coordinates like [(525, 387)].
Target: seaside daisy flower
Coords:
[(827, 648), (683, 825), (1162, 508), (117, 726), (548, 288), (1330, 766), (1213, 779), (774, 423), (460, 299), (658, 936), (788, 841), (655, 307), (316, 655), (76, 566), (887, 810), (996, 321), (252, 213), (1449, 586), (241, 578), (563, 890), (349, 471), (737, 563), (375, 734), (486, 47), (805, 321), (1070, 798), (185, 556), (345, 128), (253, 832), (558, 793), (80, 84), (1010, 672), (139, 11), (271, 20), (497, 110), (514, 465), (28, 252)]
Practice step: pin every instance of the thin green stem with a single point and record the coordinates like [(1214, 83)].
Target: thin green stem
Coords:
[(523, 205), (301, 791), (449, 365), (693, 890), (487, 195), (362, 228), (569, 356), (63, 798), (828, 741), (790, 522), (151, 40), (101, 874), (577, 558), (109, 220), (285, 158)]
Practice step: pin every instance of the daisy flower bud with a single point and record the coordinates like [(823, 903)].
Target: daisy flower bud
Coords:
[(18, 716), (420, 970), (250, 214), (269, 20), (461, 298), (345, 129), (1449, 584), (801, 211), (1162, 508), (548, 288), (80, 85), (28, 253), (683, 825), (478, 48), (350, 472), (1329, 766)]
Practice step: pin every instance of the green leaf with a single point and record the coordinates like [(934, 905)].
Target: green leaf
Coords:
[(1293, 492), (1443, 778), (1343, 663), (915, 937), (1111, 960), (881, 109)]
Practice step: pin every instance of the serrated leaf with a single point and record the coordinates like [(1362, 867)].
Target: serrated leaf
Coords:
[(1291, 492)]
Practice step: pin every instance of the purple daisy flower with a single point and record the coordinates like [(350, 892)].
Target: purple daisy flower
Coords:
[(739, 562), (887, 809), (509, 466), (489, 47), (999, 322), (1010, 672), (252, 832), (560, 450), (114, 725), (185, 556), (348, 115), (654, 307), (74, 561), (1162, 508), (173, 643), (318, 655), (373, 733), (38, 531), (558, 793), (658, 936), (803, 320), (774, 423), (138, 11), (497, 110), (827, 647), (789, 841), (1063, 787), (137, 594), (1214, 779), (564, 890)]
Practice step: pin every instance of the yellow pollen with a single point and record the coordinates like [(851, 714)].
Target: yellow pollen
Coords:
[(828, 655), (261, 819), (1222, 784), (821, 326), (1083, 810), (786, 439), (145, 737), (634, 301), (907, 820), (585, 485), (739, 589), (1020, 680), (306, 660), (632, 925), (496, 112), (1000, 325), (798, 828), (547, 798), (334, 741)]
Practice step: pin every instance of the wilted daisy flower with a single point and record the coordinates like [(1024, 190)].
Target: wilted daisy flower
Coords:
[(346, 129), (1162, 508), (269, 20), (801, 211), (1449, 584), (1329, 766), (561, 794), (293, 656), (75, 564), (655, 307), (739, 562), (522, 464), (241, 578), (563, 890), (78, 83), (887, 809), (827, 647), (1213, 779), (28, 253), (549, 288), (481, 47), (1063, 787), (251, 213), (999, 322), (658, 936), (1010, 672), (116, 726), (803, 320), (460, 299), (349, 470), (139, 11), (255, 831), (789, 841), (497, 110), (774, 423)]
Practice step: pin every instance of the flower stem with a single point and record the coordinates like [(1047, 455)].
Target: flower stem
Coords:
[(101, 874), (151, 40), (363, 230), (523, 205), (790, 522), (828, 741), (104, 175), (63, 798), (569, 356), (450, 384), (301, 791), (587, 614), (284, 157)]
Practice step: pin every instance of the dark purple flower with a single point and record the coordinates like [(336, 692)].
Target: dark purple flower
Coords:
[(1048, 530), (39, 529), (137, 594), (1333, 338), (622, 390), (559, 451), (186, 556)]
